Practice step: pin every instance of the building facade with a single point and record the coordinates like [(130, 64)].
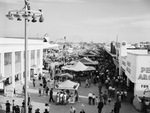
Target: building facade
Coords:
[(134, 65), (12, 58)]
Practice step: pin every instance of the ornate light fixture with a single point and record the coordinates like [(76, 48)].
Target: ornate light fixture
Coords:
[(27, 14)]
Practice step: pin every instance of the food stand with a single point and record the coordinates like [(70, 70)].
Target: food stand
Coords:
[(67, 92)]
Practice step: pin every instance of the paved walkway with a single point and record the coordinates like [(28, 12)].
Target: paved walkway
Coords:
[(39, 102)]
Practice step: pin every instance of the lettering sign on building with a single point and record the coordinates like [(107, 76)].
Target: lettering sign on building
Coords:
[(123, 63), (144, 73), (130, 69), (143, 69)]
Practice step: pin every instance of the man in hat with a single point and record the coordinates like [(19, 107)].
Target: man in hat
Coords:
[(51, 95), (37, 110)]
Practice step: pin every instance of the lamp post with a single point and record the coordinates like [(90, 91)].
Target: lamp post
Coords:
[(26, 13)]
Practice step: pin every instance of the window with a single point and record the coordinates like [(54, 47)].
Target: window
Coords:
[(7, 58), (32, 54), (17, 57)]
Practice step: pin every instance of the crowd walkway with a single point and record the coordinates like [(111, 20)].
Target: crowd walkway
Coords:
[(39, 102)]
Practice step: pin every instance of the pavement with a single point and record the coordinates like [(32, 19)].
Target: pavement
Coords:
[(39, 102)]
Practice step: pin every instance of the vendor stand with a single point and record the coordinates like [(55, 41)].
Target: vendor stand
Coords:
[(67, 92)]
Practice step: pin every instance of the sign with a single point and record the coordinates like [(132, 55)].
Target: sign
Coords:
[(123, 62), (145, 73), (130, 69), (143, 69)]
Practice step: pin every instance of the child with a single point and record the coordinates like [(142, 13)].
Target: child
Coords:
[(39, 92), (96, 100), (109, 100), (93, 98)]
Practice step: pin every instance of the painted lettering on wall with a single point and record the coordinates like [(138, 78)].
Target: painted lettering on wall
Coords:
[(123, 63), (144, 86), (145, 73), (128, 64), (128, 68)]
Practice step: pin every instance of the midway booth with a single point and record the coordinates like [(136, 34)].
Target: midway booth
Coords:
[(66, 92)]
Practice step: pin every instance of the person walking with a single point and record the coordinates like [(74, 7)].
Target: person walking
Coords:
[(100, 106), (100, 87), (90, 95), (117, 106), (40, 90), (37, 110), (30, 108), (51, 95), (33, 82), (7, 106), (29, 99), (93, 99), (46, 91), (22, 109), (46, 111), (17, 109), (105, 97), (13, 106), (86, 83), (82, 111), (72, 109)]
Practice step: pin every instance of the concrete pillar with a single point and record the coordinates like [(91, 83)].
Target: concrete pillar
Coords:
[(13, 68), (36, 68), (41, 61), (22, 67)]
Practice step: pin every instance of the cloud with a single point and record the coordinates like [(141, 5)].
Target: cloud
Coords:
[(42, 1), (59, 1), (142, 20), (143, 24), (10, 1)]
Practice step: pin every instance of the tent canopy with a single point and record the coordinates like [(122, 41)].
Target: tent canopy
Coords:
[(88, 61), (66, 75), (78, 67), (88, 54), (68, 84)]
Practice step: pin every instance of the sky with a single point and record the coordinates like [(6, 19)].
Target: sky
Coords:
[(82, 20)]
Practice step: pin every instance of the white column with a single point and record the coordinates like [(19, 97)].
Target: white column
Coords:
[(29, 64), (41, 60), (35, 54), (2, 64), (22, 67), (13, 68)]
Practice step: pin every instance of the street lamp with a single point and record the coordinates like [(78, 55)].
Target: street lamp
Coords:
[(27, 14)]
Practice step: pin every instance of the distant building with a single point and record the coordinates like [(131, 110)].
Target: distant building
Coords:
[(144, 44)]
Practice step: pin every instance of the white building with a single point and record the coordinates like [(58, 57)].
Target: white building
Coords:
[(136, 67), (12, 57), (134, 64)]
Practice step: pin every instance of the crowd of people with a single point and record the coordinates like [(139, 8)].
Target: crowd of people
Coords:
[(105, 76), (21, 109)]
